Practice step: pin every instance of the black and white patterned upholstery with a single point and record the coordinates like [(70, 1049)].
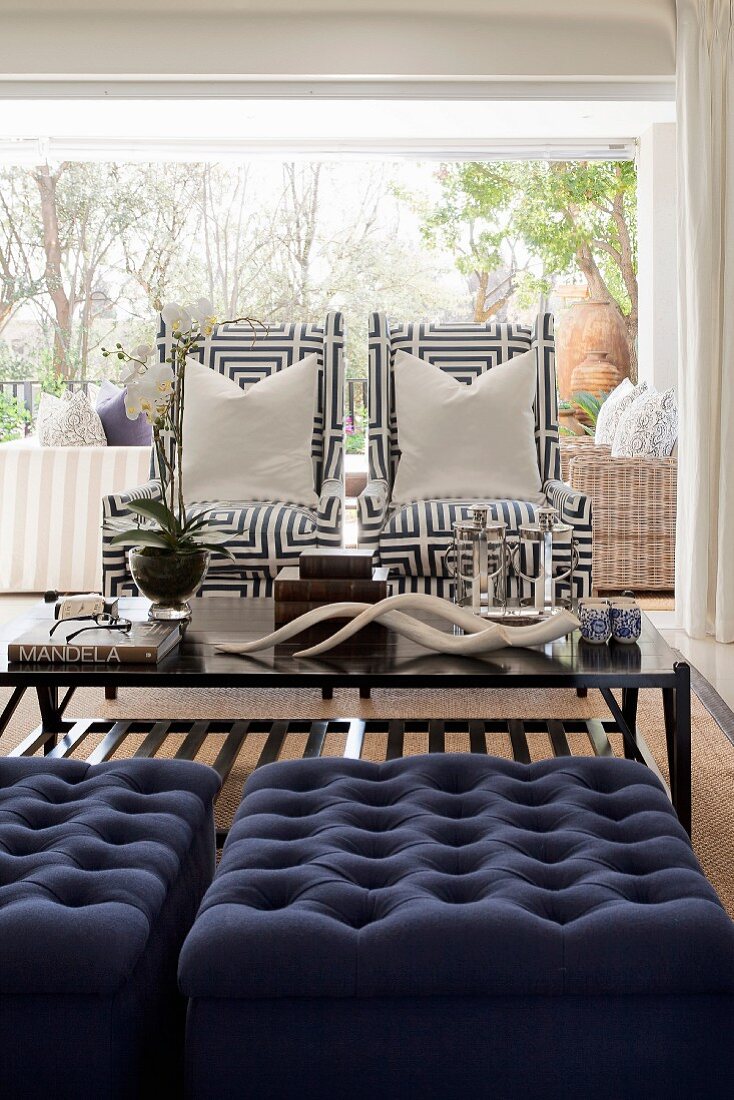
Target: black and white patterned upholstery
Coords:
[(265, 535), (413, 540)]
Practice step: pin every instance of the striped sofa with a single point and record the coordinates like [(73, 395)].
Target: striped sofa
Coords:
[(413, 540), (265, 536), (51, 512)]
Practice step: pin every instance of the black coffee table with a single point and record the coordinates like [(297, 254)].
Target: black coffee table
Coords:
[(377, 660)]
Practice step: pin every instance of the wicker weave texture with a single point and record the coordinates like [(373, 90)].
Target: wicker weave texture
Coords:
[(634, 511), (572, 446)]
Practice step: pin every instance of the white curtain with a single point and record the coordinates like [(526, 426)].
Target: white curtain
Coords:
[(705, 110)]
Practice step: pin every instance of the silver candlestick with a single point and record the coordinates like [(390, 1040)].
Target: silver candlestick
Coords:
[(548, 535)]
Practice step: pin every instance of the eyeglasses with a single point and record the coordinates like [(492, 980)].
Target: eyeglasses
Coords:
[(103, 621)]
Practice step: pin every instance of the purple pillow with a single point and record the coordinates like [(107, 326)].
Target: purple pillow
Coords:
[(120, 431)]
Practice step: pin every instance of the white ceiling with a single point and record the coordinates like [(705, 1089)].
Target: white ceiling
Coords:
[(381, 39), (658, 11)]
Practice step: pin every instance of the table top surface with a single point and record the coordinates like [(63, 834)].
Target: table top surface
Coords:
[(376, 658)]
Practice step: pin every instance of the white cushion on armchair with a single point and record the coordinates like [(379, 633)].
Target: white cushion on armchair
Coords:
[(250, 445), (466, 442)]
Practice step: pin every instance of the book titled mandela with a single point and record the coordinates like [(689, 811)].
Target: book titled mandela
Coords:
[(145, 644)]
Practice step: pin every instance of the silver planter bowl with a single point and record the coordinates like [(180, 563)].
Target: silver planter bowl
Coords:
[(168, 579)]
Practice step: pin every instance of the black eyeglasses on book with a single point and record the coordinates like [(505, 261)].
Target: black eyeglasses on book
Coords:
[(103, 621)]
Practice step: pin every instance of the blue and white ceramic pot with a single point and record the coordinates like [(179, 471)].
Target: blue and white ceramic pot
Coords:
[(595, 619), (626, 620)]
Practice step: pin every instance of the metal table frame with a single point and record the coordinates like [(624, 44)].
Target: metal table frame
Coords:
[(371, 665)]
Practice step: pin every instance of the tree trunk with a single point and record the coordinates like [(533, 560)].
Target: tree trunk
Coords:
[(631, 322), (86, 323), (599, 289), (483, 309), (47, 182), (480, 299), (629, 275)]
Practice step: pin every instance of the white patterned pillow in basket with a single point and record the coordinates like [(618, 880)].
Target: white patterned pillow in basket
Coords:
[(614, 408), (649, 427)]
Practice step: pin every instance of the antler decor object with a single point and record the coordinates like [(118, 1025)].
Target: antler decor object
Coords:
[(479, 636)]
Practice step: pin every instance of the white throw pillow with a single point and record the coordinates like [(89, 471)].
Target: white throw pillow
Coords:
[(649, 427), (253, 445), (69, 421), (466, 442), (611, 410), (47, 405)]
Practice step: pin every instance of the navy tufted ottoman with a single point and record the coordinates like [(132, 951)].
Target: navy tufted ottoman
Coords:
[(459, 926), (101, 873)]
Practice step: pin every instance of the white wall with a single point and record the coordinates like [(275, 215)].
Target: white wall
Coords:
[(467, 38), (657, 258)]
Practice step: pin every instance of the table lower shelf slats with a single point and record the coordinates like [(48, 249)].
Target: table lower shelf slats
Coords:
[(154, 739), (230, 750), (385, 738), (598, 737), (520, 747), (110, 743), (71, 741), (193, 741), (355, 738)]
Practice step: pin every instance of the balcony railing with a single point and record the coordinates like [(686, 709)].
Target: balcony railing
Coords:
[(29, 391), (356, 395)]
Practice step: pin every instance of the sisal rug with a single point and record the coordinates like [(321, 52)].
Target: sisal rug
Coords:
[(713, 741), (656, 601)]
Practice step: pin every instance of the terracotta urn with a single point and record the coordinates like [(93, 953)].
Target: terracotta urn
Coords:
[(568, 420), (595, 325), (595, 375)]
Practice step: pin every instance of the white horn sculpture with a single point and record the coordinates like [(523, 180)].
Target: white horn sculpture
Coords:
[(480, 636)]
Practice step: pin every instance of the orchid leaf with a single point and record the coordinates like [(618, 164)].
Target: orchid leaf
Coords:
[(195, 524), (154, 509), (140, 536), (218, 550)]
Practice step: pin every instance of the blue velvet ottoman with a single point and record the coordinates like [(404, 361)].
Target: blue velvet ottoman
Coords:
[(459, 926), (102, 870)]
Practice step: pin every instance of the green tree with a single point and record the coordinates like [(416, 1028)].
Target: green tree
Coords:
[(473, 221), (156, 243), (581, 216), (21, 279), (86, 209), (502, 219), (338, 244), (13, 417)]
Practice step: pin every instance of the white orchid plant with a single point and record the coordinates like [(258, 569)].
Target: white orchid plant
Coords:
[(156, 390)]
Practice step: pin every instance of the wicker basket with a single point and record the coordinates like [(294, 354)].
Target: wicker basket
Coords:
[(633, 516), (573, 445)]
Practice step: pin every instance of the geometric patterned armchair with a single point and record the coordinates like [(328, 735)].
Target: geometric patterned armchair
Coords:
[(265, 535), (413, 540)]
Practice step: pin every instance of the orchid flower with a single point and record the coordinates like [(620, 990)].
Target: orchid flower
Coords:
[(157, 391), (178, 317)]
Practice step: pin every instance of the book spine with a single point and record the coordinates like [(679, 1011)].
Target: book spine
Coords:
[(291, 609), (330, 591), (51, 654), (317, 566)]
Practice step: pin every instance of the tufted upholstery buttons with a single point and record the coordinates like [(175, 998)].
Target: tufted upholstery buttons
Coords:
[(88, 857), (455, 875)]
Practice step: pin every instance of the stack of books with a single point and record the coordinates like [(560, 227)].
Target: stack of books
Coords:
[(324, 577), (146, 643)]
